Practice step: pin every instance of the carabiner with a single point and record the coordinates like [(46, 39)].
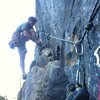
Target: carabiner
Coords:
[(79, 48)]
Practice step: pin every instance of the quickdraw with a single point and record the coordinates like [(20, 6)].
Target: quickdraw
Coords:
[(79, 45), (79, 48)]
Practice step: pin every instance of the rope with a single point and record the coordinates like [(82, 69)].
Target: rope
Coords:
[(94, 11), (90, 24), (79, 44), (71, 42), (88, 28)]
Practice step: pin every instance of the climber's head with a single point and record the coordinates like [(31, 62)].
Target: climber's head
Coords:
[(32, 20)]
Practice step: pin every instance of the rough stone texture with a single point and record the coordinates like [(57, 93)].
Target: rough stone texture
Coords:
[(54, 18), (46, 83)]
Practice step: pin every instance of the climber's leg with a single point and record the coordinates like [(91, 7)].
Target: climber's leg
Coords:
[(22, 53)]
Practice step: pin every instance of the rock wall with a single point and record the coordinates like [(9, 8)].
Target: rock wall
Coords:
[(56, 17)]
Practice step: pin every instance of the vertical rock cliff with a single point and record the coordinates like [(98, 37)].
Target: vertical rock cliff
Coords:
[(64, 21)]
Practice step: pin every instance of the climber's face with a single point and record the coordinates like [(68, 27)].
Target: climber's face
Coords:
[(31, 22)]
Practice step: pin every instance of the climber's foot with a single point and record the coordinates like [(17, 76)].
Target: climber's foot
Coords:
[(24, 76)]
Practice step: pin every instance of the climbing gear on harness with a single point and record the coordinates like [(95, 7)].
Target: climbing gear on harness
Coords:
[(13, 44), (14, 40)]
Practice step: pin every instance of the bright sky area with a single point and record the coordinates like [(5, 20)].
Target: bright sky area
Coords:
[(12, 13)]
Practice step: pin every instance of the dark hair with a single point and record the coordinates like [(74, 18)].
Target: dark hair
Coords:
[(32, 19)]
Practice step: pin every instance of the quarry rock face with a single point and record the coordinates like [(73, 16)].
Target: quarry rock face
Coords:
[(69, 17)]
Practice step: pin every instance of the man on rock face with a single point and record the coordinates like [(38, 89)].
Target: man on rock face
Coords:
[(23, 33)]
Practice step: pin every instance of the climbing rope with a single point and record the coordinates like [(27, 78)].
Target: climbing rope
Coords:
[(95, 11), (79, 45), (90, 23), (88, 27), (50, 36)]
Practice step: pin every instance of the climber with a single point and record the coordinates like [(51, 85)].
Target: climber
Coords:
[(77, 92), (23, 33)]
